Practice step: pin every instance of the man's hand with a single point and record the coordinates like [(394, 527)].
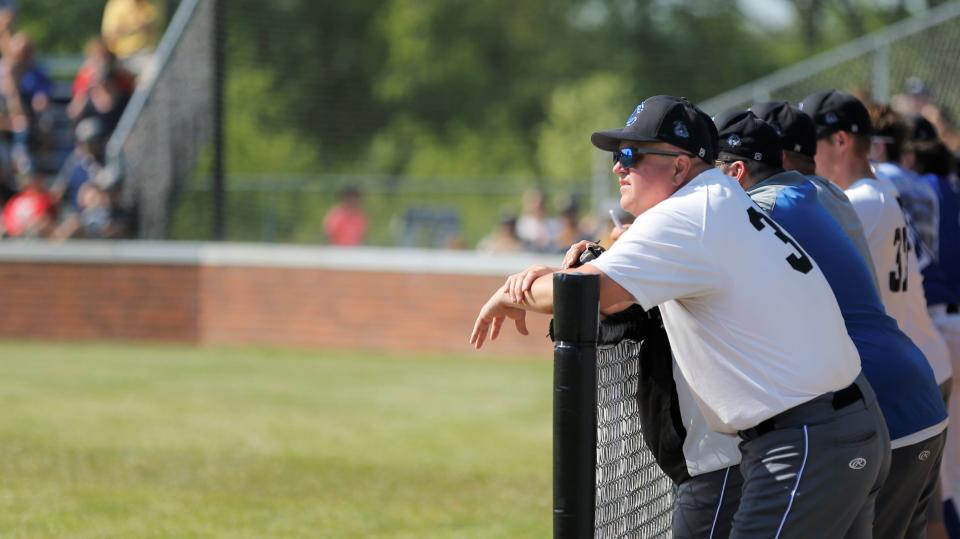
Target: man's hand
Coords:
[(519, 283), (572, 258), (491, 317)]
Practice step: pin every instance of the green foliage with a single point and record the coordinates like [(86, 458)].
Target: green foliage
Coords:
[(59, 27), (563, 149)]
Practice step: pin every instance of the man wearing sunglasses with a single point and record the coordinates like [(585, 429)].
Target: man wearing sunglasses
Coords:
[(735, 292), (905, 386)]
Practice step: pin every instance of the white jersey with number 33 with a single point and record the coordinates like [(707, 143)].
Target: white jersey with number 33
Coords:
[(753, 324), (898, 271)]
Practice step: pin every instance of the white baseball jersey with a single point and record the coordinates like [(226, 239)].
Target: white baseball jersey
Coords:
[(898, 271), (753, 324)]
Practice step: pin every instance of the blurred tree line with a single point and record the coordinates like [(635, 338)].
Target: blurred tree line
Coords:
[(460, 88), (453, 88), (413, 90)]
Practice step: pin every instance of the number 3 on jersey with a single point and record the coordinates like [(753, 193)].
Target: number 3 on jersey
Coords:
[(898, 279), (799, 260)]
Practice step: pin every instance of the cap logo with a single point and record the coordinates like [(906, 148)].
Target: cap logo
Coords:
[(758, 156), (854, 128), (796, 147), (702, 152), (633, 117), (680, 129), (733, 141), (831, 118)]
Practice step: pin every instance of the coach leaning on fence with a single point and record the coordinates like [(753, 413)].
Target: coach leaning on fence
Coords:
[(753, 324)]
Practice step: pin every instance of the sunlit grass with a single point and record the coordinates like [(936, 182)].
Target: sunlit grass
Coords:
[(133, 441)]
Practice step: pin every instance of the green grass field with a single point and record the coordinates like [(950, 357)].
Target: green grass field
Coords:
[(159, 441)]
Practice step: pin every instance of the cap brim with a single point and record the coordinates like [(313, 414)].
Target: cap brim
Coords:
[(610, 139), (824, 131)]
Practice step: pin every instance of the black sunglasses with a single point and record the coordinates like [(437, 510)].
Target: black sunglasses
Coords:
[(628, 157)]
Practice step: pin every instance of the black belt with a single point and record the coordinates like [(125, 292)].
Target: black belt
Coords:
[(841, 399)]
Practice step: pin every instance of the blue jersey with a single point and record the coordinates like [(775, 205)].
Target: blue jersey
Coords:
[(948, 251), (906, 389)]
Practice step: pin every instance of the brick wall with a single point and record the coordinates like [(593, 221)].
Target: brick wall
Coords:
[(265, 296)]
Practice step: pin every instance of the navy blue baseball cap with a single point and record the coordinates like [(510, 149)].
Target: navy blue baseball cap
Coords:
[(797, 130), (665, 118), (833, 110), (744, 135)]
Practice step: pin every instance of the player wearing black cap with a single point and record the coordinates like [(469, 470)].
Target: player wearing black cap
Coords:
[(843, 145), (798, 137), (905, 386), (735, 291)]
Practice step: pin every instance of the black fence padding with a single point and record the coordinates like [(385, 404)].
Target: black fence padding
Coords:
[(576, 318)]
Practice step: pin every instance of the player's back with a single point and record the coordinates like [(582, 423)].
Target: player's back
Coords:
[(735, 291), (898, 371), (898, 270), (837, 203)]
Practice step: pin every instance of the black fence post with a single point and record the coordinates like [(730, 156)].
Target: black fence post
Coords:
[(219, 73), (575, 318)]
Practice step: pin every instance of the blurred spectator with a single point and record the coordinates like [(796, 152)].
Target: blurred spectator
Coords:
[(571, 230), (130, 29), (609, 232), (96, 215), (30, 213), (33, 87), (99, 64), (944, 125), (346, 223), (503, 238), (916, 95), (84, 164), (104, 101), (533, 228)]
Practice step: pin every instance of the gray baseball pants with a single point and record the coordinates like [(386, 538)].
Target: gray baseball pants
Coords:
[(903, 502), (704, 504), (817, 473)]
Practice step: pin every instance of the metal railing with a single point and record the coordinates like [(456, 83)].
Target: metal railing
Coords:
[(169, 120), (925, 45)]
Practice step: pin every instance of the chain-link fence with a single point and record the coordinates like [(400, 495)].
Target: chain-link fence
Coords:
[(169, 120), (876, 66)]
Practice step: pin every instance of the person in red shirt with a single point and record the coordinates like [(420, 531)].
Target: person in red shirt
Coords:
[(346, 222), (30, 213)]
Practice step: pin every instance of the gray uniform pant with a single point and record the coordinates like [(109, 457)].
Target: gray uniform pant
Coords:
[(704, 504), (817, 474), (902, 503)]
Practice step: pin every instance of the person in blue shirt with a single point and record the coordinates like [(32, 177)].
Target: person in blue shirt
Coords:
[(751, 152), (935, 164)]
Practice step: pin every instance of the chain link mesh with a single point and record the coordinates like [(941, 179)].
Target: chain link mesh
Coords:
[(930, 51), (169, 120), (633, 497)]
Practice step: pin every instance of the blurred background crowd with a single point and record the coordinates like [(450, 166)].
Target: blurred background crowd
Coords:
[(53, 133)]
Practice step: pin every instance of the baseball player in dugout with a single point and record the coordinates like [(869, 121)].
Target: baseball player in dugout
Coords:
[(905, 386), (735, 291)]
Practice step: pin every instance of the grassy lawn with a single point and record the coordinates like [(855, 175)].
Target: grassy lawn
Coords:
[(131, 441)]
